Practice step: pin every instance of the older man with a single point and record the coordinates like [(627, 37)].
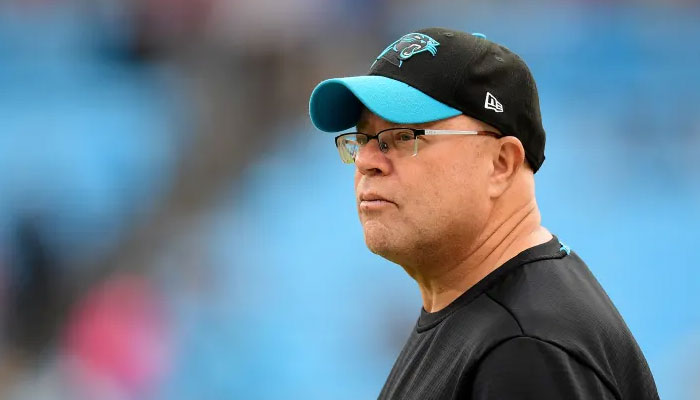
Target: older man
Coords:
[(448, 139)]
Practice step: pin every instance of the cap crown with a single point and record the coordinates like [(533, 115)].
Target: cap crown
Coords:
[(482, 79)]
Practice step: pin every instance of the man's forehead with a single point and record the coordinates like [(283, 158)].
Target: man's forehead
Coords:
[(368, 118)]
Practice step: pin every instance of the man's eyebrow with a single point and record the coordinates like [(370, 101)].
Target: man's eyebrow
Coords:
[(360, 125)]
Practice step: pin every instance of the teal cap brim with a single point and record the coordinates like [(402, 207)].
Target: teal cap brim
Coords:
[(336, 104)]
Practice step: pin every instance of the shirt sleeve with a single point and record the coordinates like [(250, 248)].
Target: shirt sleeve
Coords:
[(526, 368)]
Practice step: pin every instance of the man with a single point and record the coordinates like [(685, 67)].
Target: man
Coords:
[(449, 138)]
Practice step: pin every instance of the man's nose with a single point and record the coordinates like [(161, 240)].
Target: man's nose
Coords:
[(370, 160)]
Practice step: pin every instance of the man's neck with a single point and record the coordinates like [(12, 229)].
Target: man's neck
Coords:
[(493, 247)]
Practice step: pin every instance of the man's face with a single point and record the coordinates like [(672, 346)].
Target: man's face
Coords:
[(434, 201)]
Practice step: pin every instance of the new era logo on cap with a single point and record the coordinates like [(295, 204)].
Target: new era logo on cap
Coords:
[(492, 103)]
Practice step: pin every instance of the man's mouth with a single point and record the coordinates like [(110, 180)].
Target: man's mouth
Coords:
[(374, 201)]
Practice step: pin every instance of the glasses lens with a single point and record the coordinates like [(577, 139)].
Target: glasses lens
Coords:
[(349, 144), (400, 140)]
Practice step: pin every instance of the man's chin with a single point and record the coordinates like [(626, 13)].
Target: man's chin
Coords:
[(378, 248), (376, 237), (380, 241)]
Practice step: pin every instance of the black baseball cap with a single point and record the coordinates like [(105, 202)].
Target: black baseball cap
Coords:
[(437, 73)]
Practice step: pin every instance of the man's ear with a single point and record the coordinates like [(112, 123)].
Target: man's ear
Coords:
[(508, 158)]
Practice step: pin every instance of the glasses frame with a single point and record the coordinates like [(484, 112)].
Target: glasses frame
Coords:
[(416, 132)]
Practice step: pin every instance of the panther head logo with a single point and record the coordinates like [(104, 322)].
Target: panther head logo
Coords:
[(408, 45)]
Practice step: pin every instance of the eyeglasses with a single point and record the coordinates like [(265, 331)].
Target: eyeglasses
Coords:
[(394, 142)]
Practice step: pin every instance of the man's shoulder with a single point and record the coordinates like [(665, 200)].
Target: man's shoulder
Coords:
[(556, 298), (553, 297), (560, 302), (546, 302), (494, 322)]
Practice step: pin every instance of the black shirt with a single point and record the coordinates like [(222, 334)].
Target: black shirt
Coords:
[(538, 327)]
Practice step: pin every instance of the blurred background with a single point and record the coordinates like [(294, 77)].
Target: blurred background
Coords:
[(172, 227)]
